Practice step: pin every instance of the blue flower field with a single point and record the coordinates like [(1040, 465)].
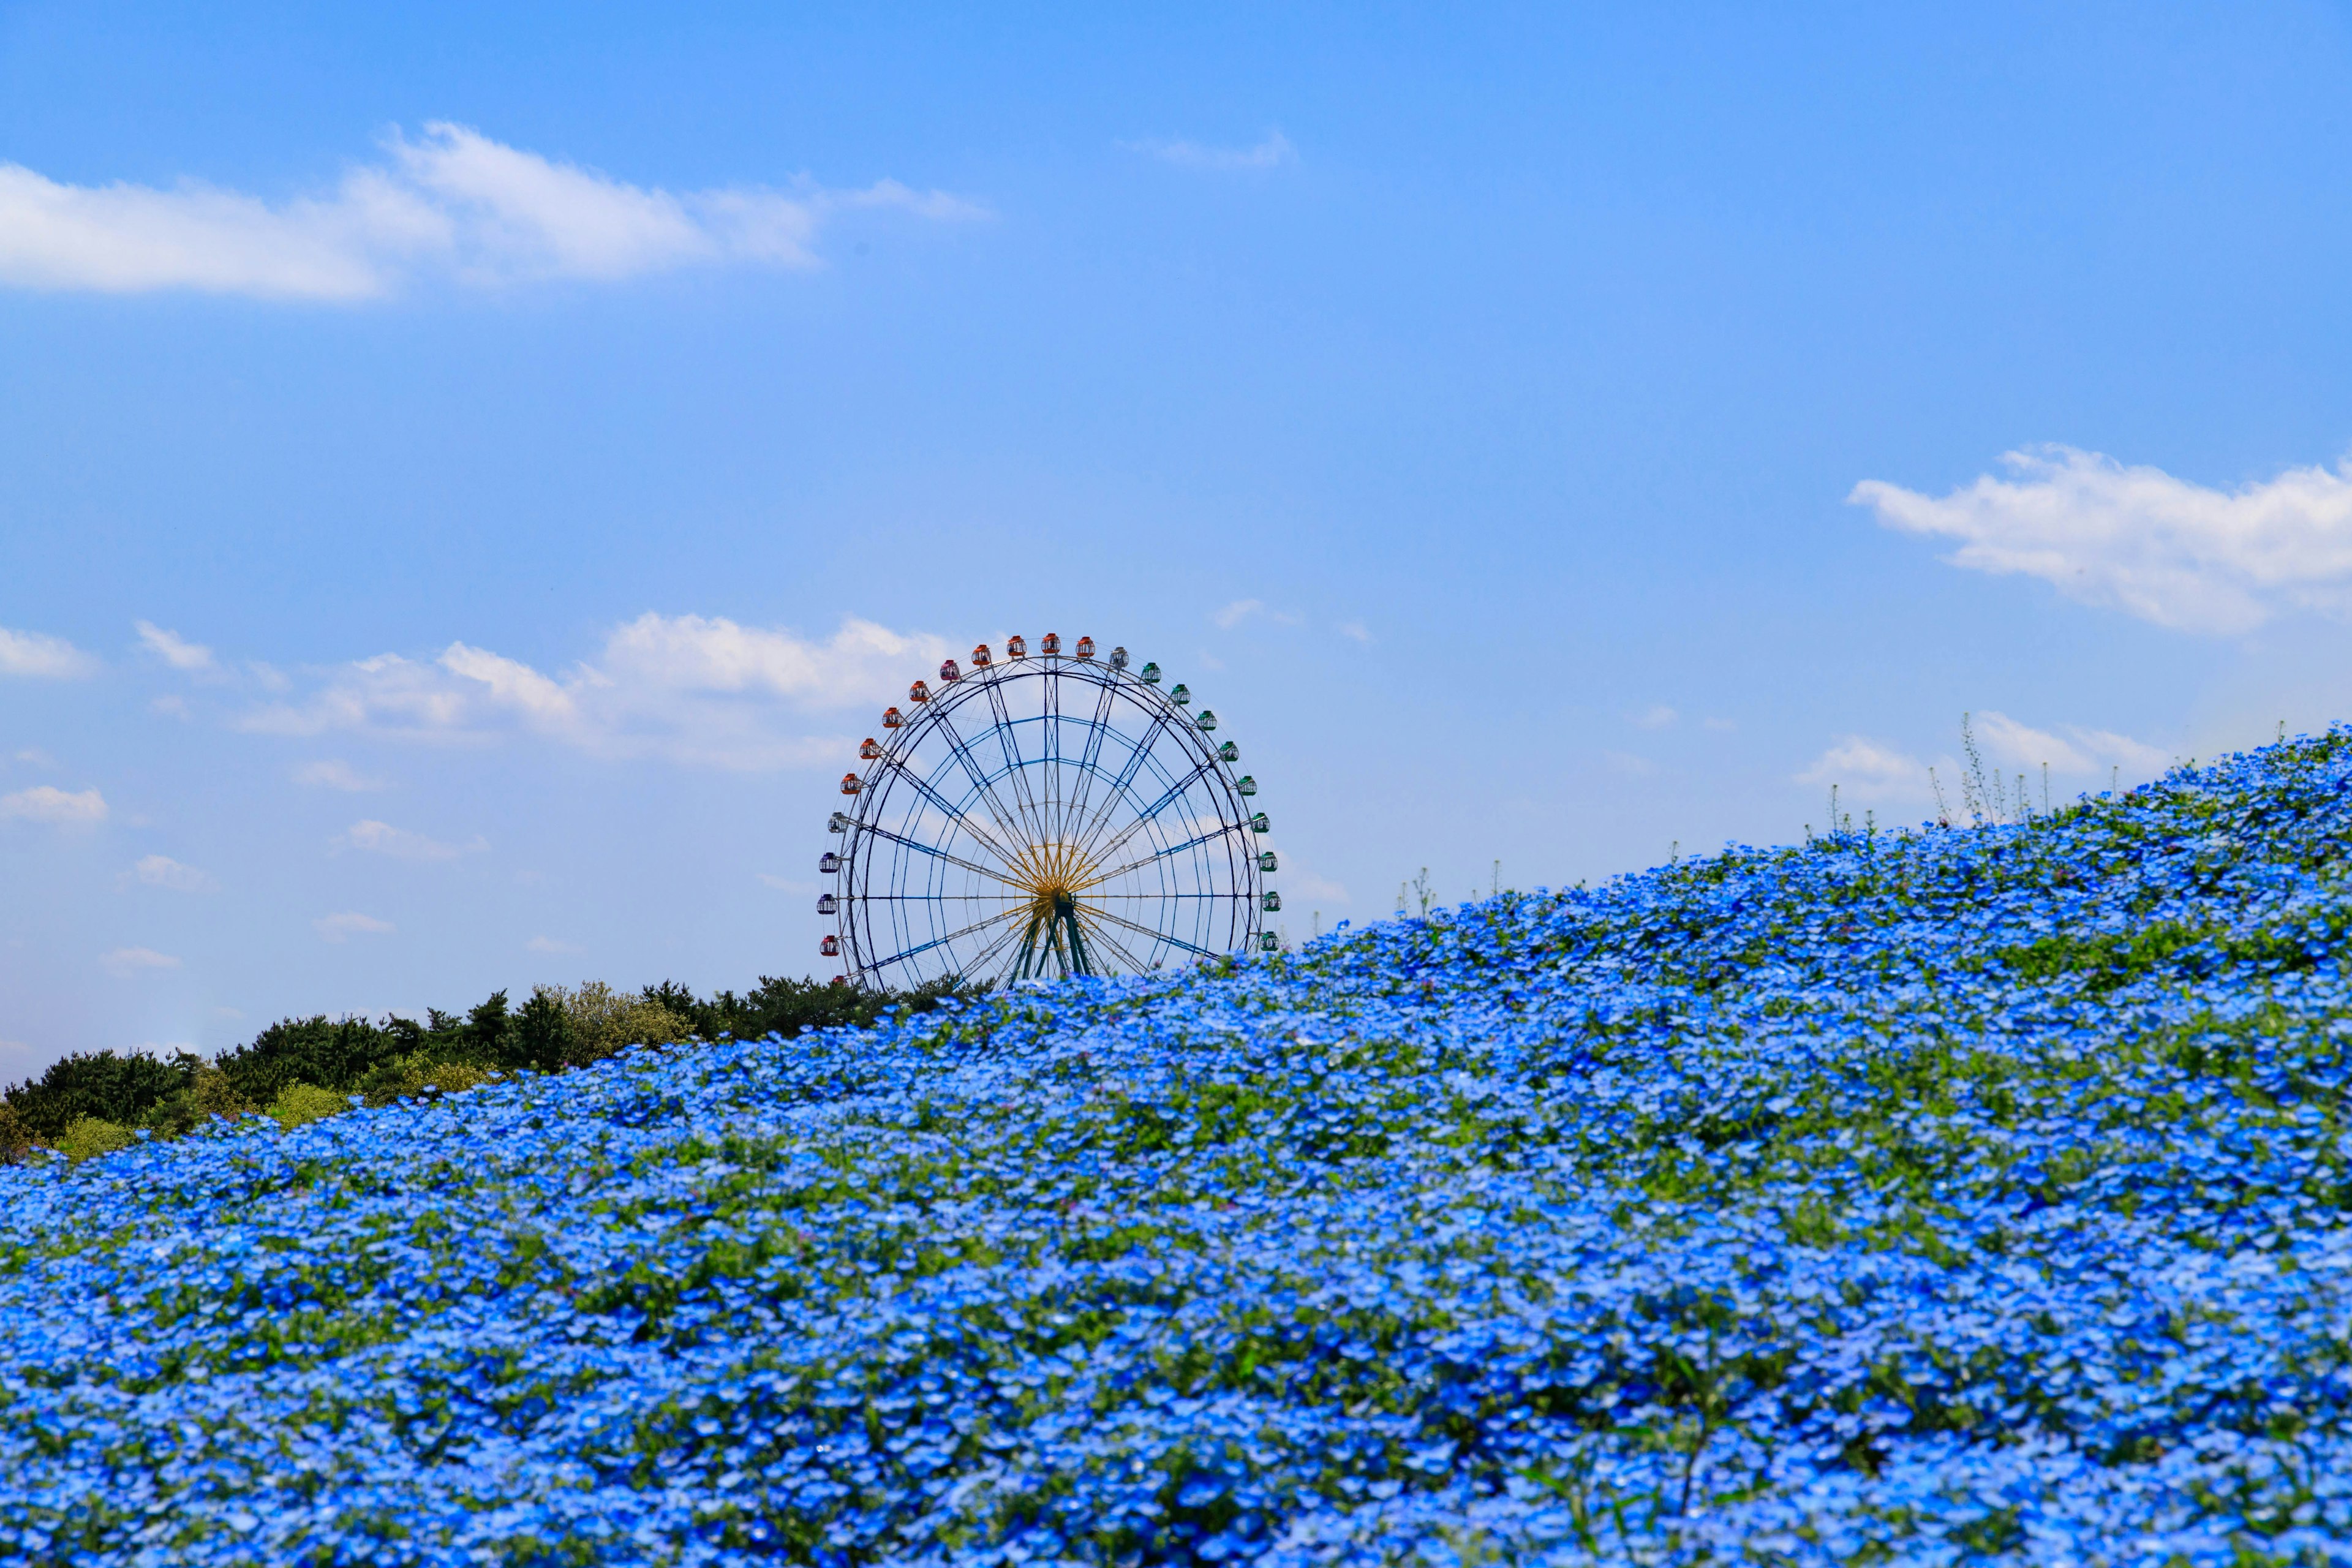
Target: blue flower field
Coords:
[(1933, 1197)]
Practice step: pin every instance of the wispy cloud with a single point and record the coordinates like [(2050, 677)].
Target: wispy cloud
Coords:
[(1272, 152), (38, 655), (2079, 752), (1354, 630), (1870, 771), (332, 772), (162, 871), (694, 690), (1656, 717), (382, 838), (549, 944), (453, 203), (174, 649), (47, 803), (129, 960), (1240, 610), (2182, 556), (344, 927)]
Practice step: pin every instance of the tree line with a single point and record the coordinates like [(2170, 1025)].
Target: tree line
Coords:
[(300, 1067)]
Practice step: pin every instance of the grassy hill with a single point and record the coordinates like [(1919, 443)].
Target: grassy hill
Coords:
[(1932, 1197)]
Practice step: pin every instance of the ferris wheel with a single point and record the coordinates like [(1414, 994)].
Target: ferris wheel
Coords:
[(1044, 815)]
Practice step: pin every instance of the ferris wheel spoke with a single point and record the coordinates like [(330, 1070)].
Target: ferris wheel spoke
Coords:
[(1001, 943), (1144, 817), (987, 794), (1008, 741), (1227, 831), (1089, 754), (948, 808), (1155, 935), (1103, 938), (1099, 818), (921, 848), (951, 936)]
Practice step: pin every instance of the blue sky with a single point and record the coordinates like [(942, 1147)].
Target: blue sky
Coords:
[(469, 475)]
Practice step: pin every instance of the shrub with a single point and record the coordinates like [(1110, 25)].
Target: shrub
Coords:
[(16, 1139), (300, 1102), (604, 1022), (90, 1135), (313, 1051), (121, 1087), (420, 1077), (216, 1095)]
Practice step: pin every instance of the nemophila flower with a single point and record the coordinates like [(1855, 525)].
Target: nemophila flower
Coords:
[(1945, 1197)]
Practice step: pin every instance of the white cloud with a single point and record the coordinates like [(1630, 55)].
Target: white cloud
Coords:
[(1657, 716), (174, 649), (690, 688), (1354, 629), (47, 803), (36, 757), (2017, 745), (344, 927), (1869, 771), (2180, 554), (128, 961), (785, 884), (38, 654), (382, 838), (1629, 764), (549, 944), (1273, 151), (170, 706), (162, 871), (332, 772), (1233, 614), (452, 204)]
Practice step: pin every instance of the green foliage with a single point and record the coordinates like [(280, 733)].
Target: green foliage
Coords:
[(335, 1054), (120, 1087), (786, 1007), (602, 1022), (302, 1068), (420, 1077), (88, 1135), (300, 1102)]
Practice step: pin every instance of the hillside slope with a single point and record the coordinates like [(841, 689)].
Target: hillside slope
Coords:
[(1956, 1194)]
